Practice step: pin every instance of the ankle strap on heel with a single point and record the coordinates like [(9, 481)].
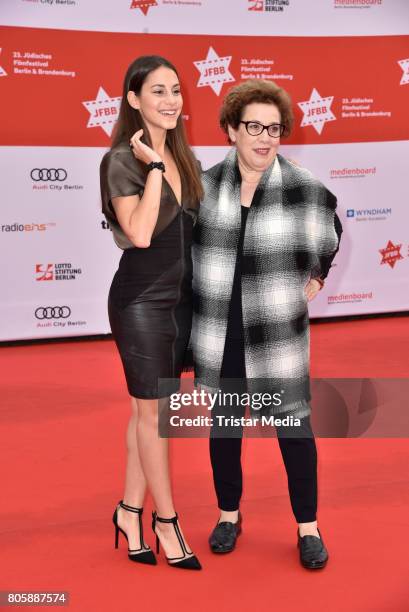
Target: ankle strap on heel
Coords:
[(130, 508), (159, 519)]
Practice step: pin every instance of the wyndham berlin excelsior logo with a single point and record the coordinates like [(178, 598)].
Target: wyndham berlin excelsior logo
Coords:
[(404, 64), (317, 111), (103, 110), (2, 71), (143, 5), (214, 71)]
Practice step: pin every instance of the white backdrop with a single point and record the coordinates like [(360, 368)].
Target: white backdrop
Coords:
[(57, 251)]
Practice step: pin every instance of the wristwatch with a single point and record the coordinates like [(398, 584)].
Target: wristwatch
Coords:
[(159, 165)]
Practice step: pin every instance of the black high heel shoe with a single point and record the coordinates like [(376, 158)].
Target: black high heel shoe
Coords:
[(184, 562), (139, 555)]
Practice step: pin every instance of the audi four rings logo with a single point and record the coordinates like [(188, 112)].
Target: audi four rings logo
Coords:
[(48, 174), (53, 312)]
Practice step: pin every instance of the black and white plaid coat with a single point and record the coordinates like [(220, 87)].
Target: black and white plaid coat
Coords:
[(292, 234)]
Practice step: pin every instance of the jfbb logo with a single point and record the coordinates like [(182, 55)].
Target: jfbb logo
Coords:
[(391, 254), (48, 174), (103, 111), (404, 64), (2, 71), (317, 111), (214, 71), (52, 312), (143, 5)]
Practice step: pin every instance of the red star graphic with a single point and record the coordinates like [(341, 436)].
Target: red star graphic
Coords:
[(144, 5), (391, 254)]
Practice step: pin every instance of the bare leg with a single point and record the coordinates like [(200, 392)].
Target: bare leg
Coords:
[(135, 482), (154, 454), (308, 529)]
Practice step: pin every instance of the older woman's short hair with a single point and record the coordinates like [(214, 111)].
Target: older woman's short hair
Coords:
[(255, 90)]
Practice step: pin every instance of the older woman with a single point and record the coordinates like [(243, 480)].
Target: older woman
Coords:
[(265, 238)]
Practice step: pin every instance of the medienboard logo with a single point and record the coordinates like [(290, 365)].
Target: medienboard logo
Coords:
[(368, 214), (347, 298), (391, 254), (268, 6), (56, 272), (357, 4), (214, 71), (337, 173)]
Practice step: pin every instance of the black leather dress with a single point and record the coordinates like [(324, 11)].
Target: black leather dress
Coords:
[(150, 300)]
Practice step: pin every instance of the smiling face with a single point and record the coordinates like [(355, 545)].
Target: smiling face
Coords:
[(256, 153), (160, 100)]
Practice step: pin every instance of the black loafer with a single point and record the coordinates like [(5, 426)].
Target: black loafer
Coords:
[(224, 535), (313, 554)]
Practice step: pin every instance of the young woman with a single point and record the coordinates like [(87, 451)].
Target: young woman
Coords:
[(151, 189)]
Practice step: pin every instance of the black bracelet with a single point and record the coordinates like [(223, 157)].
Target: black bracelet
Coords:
[(159, 165)]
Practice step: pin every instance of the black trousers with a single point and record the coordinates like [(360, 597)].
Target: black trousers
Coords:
[(299, 453)]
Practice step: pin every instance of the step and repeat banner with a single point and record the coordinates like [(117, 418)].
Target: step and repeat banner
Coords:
[(345, 64)]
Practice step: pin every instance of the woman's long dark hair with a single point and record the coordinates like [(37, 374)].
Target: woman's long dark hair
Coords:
[(130, 121)]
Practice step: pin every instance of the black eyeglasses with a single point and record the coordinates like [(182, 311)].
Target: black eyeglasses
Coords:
[(254, 128)]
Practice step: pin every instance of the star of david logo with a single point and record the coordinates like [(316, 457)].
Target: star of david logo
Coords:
[(103, 111), (404, 64), (143, 5), (317, 111), (214, 71), (391, 254)]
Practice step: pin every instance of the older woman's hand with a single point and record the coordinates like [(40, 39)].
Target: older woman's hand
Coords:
[(312, 288)]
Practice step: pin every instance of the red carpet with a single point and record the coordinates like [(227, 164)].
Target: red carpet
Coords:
[(64, 413)]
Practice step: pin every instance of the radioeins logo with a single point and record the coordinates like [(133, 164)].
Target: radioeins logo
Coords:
[(55, 316), (56, 272), (27, 228), (274, 6), (51, 179)]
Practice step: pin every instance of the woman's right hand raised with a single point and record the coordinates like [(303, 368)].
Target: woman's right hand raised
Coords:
[(141, 150)]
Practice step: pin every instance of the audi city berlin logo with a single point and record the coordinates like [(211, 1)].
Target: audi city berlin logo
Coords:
[(53, 312), (48, 174)]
